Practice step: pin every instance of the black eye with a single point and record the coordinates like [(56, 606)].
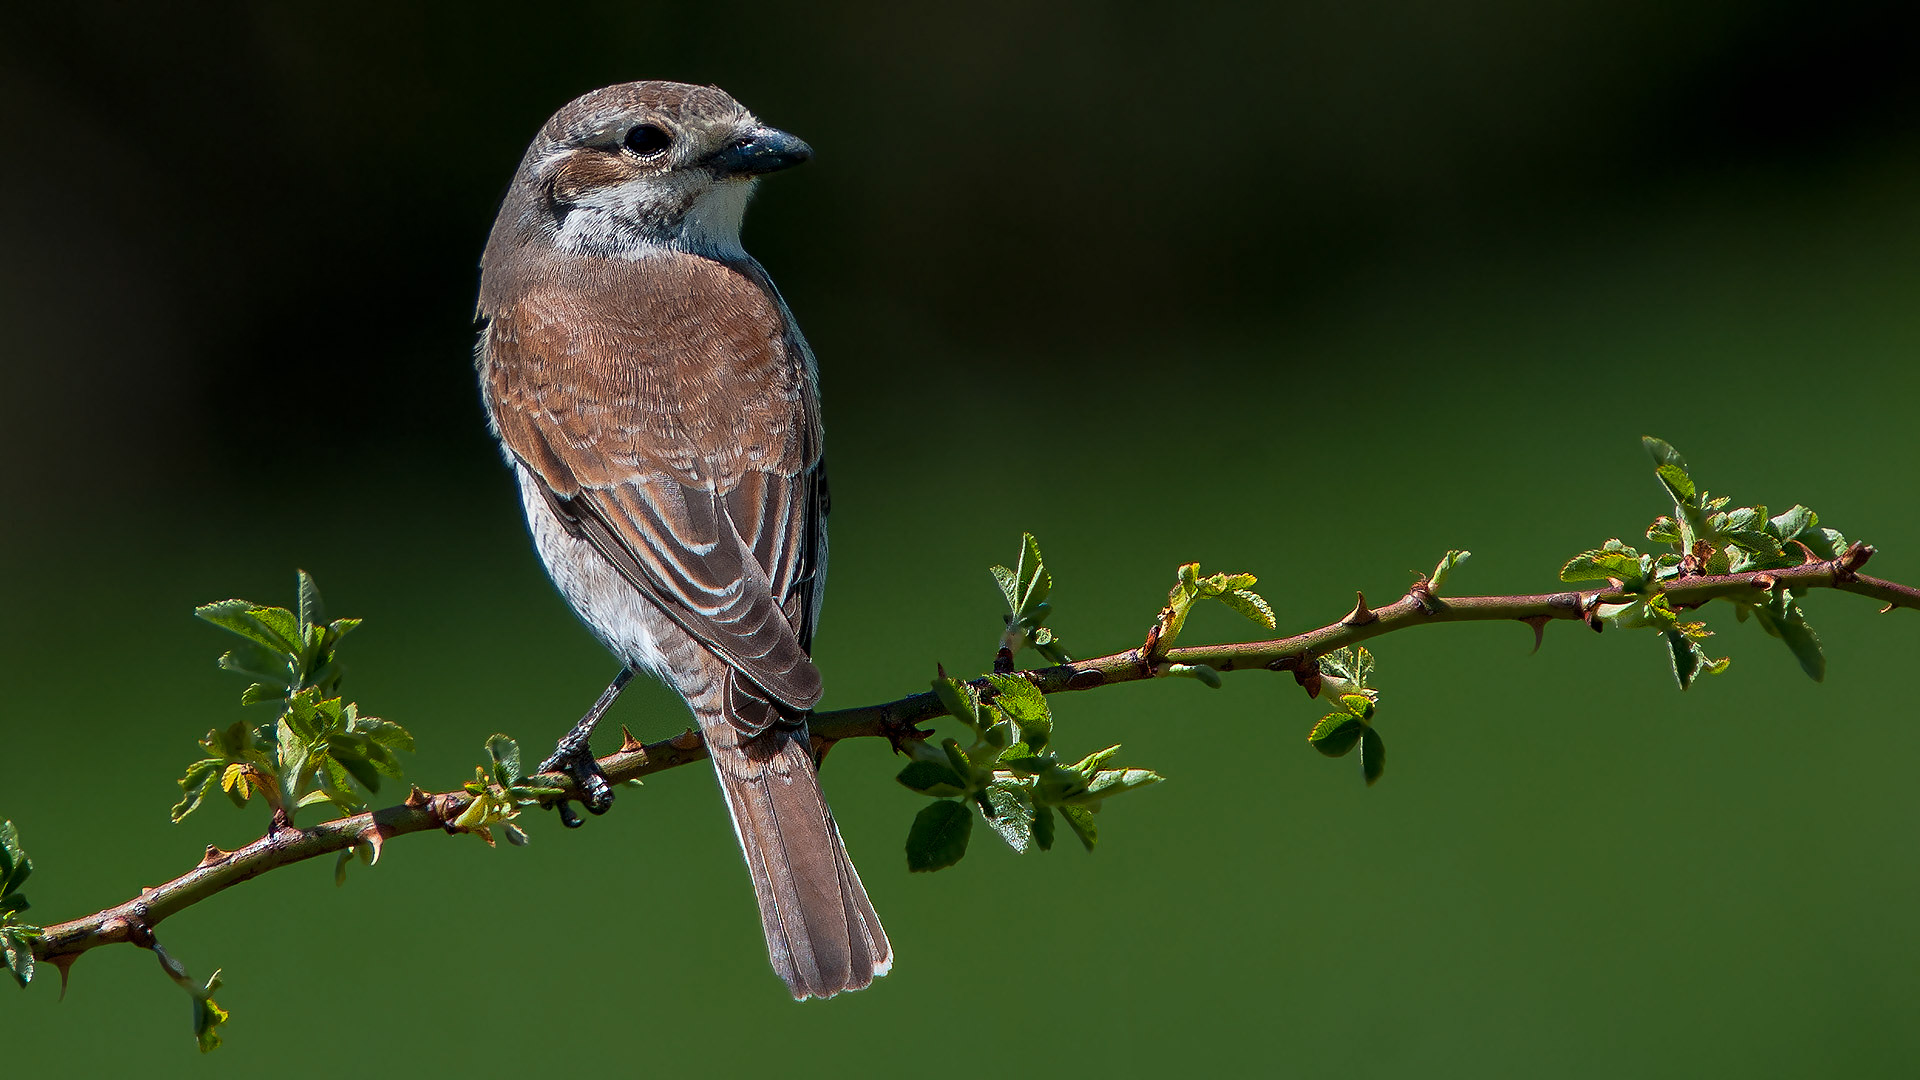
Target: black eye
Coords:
[(648, 140)]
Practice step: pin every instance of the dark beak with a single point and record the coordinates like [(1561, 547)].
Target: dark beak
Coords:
[(760, 150)]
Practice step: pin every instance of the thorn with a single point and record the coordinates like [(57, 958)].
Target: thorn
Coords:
[(1361, 614), (1539, 624), (820, 748), (1765, 581), (374, 838), (416, 798), (686, 740), (629, 744), (1591, 607), (1886, 609), (1850, 561), (213, 857), (1806, 553), (940, 669), (64, 964)]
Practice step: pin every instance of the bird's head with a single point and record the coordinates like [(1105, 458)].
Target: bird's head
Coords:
[(647, 165)]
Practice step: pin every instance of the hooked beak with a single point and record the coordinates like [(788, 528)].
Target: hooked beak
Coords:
[(760, 150)]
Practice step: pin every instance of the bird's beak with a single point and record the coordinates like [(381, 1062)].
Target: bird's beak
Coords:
[(760, 150)]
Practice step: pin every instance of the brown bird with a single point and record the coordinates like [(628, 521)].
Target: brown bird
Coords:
[(662, 414)]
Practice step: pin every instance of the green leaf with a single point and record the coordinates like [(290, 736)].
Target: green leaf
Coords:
[(19, 953), (1012, 802), (275, 628), (1043, 827), (1028, 583), (932, 778), (1353, 664), (1359, 705), (208, 1016), (960, 699), (1088, 765), (1107, 783), (1026, 706), (1613, 560), (1373, 755), (1686, 657), (506, 760), (1679, 484), (199, 779), (15, 867), (939, 836), (259, 663), (1448, 564), (1080, 820), (1782, 618), (1251, 604), (312, 611), (1662, 452), (1009, 583), (1664, 530), (1336, 734), (1789, 524)]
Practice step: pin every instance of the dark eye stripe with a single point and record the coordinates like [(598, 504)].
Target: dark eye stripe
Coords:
[(648, 140)]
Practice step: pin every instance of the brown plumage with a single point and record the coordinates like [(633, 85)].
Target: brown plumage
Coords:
[(658, 405)]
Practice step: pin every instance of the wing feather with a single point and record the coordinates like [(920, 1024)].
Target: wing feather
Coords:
[(672, 420)]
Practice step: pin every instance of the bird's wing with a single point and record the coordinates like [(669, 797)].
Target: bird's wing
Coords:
[(670, 417)]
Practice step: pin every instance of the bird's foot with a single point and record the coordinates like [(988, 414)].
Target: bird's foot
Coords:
[(574, 759)]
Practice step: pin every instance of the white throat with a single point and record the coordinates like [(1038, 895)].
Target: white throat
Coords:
[(615, 222)]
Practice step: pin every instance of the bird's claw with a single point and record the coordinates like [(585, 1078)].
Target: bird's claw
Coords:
[(576, 762)]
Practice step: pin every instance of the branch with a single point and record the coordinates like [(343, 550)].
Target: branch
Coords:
[(133, 921)]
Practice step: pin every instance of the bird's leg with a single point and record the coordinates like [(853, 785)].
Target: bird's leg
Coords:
[(574, 757)]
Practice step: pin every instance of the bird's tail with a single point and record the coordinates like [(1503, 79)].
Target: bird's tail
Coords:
[(822, 933)]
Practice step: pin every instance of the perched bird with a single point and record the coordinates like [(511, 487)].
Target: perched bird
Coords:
[(661, 413)]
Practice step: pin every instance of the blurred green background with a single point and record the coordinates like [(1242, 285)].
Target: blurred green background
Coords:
[(1316, 291)]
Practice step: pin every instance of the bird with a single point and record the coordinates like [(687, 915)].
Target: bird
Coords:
[(660, 411)]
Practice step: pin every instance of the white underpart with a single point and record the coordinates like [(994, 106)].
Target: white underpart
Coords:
[(611, 607)]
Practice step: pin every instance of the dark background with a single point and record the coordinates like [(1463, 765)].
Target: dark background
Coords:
[(1316, 291)]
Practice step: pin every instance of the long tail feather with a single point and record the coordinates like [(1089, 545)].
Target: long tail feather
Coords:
[(823, 936)]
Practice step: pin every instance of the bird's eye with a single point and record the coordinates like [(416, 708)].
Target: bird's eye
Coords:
[(648, 140)]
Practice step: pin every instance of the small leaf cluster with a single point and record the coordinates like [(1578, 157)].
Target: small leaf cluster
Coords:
[(1233, 590), (16, 936), (1344, 674), (208, 1016), (319, 747), (1010, 773), (1025, 589), (499, 790), (1708, 537)]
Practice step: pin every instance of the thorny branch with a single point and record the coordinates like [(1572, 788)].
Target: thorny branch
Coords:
[(133, 921)]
